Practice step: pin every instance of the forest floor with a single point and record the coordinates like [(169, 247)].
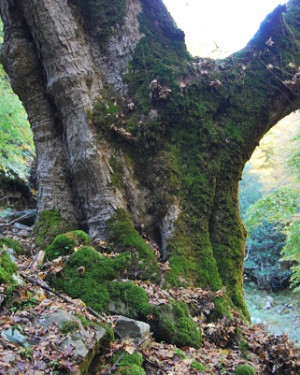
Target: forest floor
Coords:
[(227, 343), (279, 312)]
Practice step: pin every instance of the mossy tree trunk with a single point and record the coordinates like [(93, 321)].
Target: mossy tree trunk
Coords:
[(125, 120)]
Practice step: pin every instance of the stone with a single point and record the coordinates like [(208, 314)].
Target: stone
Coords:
[(134, 329), (14, 336), (79, 338), (267, 305)]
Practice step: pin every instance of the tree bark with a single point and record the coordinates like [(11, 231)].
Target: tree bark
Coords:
[(125, 119)]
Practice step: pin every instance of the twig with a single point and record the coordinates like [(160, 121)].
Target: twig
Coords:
[(48, 289), (2, 199), (13, 221)]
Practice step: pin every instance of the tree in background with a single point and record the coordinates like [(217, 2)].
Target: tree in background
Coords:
[(272, 220), (16, 142), (129, 127)]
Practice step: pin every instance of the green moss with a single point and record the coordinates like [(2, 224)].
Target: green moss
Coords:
[(116, 177), (64, 244), (86, 323), (130, 364), (12, 244), (86, 276), (124, 237), (49, 225), (7, 268), (133, 297), (177, 327), (198, 366), (101, 18), (69, 327), (244, 370)]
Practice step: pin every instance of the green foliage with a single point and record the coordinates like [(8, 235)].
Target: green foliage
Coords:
[(12, 244), (16, 141), (263, 250), (64, 244), (7, 268), (124, 237), (49, 225), (278, 206), (244, 370)]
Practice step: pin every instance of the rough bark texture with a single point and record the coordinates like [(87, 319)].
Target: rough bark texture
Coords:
[(124, 119)]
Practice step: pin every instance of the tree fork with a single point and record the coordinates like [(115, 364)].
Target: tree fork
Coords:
[(89, 90)]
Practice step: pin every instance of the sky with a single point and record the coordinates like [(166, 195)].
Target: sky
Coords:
[(217, 28)]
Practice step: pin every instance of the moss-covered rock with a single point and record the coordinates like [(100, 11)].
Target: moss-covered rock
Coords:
[(244, 370), (130, 300), (86, 276), (7, 268), (124, 237), (176, 326), (49, 225), (12, 244), (130, 364), (64, 244)]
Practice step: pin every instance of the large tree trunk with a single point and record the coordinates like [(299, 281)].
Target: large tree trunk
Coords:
[(124, 118)]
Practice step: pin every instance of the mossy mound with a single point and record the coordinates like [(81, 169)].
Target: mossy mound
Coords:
[(244, 370), (86, 276), (64, 244), (176, 326), (49, 225), (130, 364), (12, 244), (131, 300), (7, 268), (124, 237)]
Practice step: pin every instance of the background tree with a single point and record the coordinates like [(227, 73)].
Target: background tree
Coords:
[(126, 122), (16, 143)]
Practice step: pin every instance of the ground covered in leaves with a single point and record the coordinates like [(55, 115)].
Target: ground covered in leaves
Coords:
[(227, 343)]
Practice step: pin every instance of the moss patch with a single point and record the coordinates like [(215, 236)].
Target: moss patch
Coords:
[(176, 326), (130, 364), (12, 244), (86, 276), (198, 366), (69, 327), (64, 244), (7, 268), (124, 237), (49, 225), (101, 18), (134, 298), (244, 370)]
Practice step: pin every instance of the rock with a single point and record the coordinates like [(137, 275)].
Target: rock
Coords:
[(267, 305), (14, 336), (17, 279), (270, 299), (134, 329), (117, 307), (77, 337), (11, 253)]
